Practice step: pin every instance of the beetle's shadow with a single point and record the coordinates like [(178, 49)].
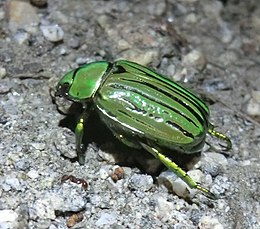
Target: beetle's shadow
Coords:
[(96, 131)]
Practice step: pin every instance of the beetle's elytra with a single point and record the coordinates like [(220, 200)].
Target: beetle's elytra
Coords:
[(142, 108)]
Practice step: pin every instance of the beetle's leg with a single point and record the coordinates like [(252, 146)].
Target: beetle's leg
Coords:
[(124, 140), (221, 136), (178, 171), (79, 132)]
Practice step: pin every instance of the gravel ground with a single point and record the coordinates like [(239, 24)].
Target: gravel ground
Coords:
[(211, 46)]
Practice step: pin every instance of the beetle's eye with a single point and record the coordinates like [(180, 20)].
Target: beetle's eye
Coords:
[(62, 90)]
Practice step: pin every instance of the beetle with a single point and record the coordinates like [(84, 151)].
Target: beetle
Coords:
[(143, 109)]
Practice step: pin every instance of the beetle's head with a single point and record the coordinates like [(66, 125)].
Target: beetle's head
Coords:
[(63, 87), (81, 84)]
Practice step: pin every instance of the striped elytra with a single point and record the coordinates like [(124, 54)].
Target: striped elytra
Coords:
[(152, 107), (143, 109)]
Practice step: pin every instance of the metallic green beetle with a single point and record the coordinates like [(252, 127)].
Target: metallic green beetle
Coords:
[(143, 109)]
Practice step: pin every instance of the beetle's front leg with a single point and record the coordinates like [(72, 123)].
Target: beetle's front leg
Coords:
[(79, 133), (178, 171)]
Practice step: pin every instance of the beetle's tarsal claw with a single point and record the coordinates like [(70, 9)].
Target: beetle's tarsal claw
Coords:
[(207, 193), (81, 159), (211, 196), (221, 136)]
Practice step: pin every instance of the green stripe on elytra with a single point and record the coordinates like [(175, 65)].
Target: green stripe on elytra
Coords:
[(150, 99), (123, 83), (178, 87), (186, 95)]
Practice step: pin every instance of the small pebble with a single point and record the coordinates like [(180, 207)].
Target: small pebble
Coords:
[(163, 208), (65, 199), (213, 9), (221, 185), (81, 60), (38, 145), (173, 183), (106, 219), (123, 45), (74, 218), (253, 106), (213, 163), (2, 72), (106, 156), (118, 174), (2, 15), (33, 174), (195, 59), (7, 216), (104, 172), (139, 56), (226, 33), (21, 37), (140, 182), (157, 9), (74, 43), (22, 16), (53, 33), (14, 183), (207, 222)]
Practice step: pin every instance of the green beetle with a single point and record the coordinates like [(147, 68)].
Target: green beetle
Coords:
[(143, 109)]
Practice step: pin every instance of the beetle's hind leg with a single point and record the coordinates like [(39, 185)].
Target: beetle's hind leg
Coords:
[(221, 136), (178, 171)]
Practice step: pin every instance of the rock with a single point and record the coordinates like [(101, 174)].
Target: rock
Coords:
[(253, 106), (74, 42), (141, 57), (213, 163), (22, 16), (104, 172), (13, 183), (2, 72), (8, 216), (68, 198), (53, 33), (195, 59), (21, 37), (33, 174), (106, 219), (140, 182), (163, 208), (175, 184), (207, 222)]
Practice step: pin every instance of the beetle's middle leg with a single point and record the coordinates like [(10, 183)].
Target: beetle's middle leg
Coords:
[(178, 171)]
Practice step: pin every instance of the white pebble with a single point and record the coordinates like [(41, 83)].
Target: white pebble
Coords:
[(253, 107), (2, 72), (163, 208), (21, 37), (106, 218), (33, 174), (207, 222), (174, 183), (140, 182), (8, 216), (195, 59), (103, 173), (53, 33)]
